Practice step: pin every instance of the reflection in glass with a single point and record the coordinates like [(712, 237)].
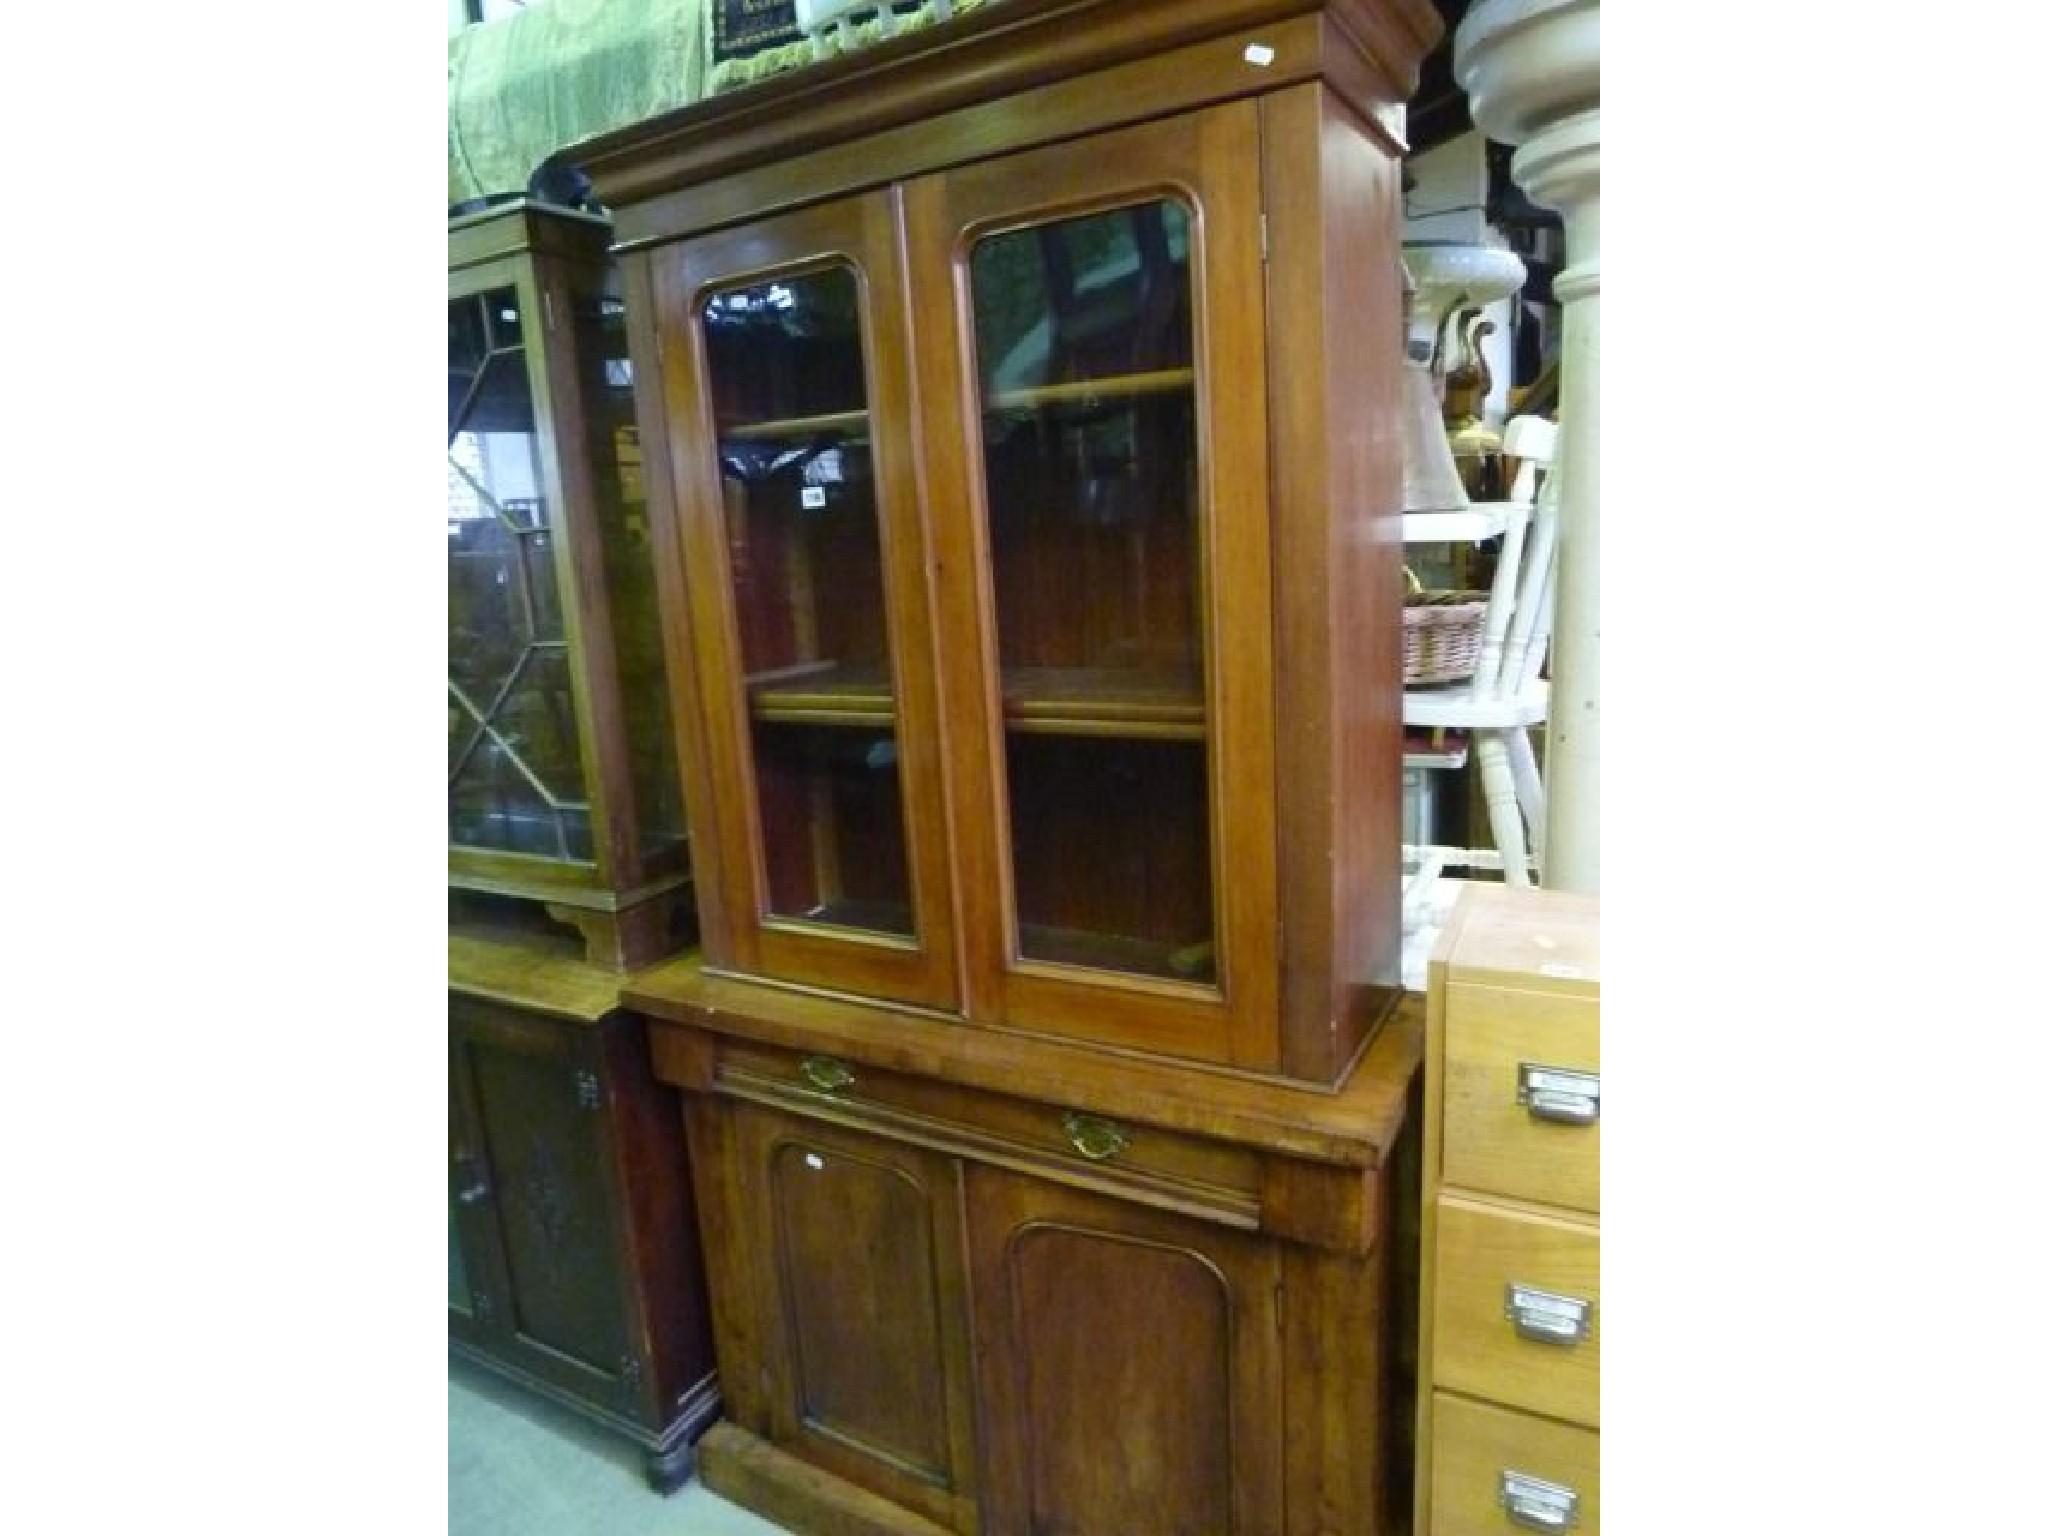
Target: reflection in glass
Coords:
[(458, 1272), (1084, 341), (804, 553), (621, 515), (515, 777)]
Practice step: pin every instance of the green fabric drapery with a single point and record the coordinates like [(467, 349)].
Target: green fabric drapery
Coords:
[(522, 88)]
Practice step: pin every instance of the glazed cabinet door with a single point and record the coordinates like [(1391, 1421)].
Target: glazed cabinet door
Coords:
[(843, 1311), (1129, 1366), (542, 1202), (520, 763), (1091, 367), (797, 562)]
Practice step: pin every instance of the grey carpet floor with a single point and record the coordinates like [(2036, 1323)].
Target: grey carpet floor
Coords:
[(519, 1465)]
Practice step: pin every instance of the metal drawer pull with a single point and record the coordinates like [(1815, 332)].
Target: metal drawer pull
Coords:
[(1558, 1094), (1094, 1138), (1536, 1505), (826, 1074), (1545, 1317)]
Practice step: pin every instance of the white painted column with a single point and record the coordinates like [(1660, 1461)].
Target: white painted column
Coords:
[(1532, 71)]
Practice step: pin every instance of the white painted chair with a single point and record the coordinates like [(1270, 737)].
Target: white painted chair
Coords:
[(815, 18), (1507, 693)]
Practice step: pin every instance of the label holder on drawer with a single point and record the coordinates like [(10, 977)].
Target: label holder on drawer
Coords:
[(1537, 1505), (1560, 1095), (1545, 1317)]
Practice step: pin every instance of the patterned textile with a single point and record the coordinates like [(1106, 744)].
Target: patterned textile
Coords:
[(731, 74)]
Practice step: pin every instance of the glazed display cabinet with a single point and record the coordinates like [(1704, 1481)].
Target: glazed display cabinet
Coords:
[(1020, 400), (1030, 565), (561, 780), (574, 1266)]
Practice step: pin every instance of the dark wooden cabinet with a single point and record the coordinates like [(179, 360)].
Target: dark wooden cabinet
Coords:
[(1021, 407), (574, 1263)]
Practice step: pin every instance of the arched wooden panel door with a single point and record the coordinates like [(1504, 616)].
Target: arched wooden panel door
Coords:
[(1130, 1367), (858, 1240)]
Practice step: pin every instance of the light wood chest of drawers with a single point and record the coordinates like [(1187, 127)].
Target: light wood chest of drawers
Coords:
[(1508, 1407)]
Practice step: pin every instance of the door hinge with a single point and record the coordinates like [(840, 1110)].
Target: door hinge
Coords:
[(588, 1094), (629, 1372), (480, 1304), (1263, 247), (547, 307)]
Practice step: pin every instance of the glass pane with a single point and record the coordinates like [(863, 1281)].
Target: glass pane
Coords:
[(458, 1273), (803, 538), (614, 449), (832, 812), (515, 773), (1110, 844), (1084, 338)]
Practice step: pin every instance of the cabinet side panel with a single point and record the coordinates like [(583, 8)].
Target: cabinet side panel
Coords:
[(1347, 1453), (1333, 297), (737, 1296), (661, 1220), (1362, 188)]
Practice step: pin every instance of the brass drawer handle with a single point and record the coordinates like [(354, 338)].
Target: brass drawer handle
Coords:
[(1094, 1138), (827, 1074), (1558, 1094), (1536, 1505), (1545, 1317)]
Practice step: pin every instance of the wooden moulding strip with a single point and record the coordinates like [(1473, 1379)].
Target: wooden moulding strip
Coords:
[(1351, 1125)]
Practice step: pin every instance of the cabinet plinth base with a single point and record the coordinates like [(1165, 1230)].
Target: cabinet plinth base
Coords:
[(777, 1486), (670, 1453)]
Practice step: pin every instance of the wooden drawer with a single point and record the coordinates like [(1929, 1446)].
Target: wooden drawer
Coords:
[(1481, 1251), (1477, 1444), (1491, 1143), (1186, 1173)]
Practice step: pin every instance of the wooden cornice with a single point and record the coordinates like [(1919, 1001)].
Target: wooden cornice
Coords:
[(1000, 51), (519, 228)]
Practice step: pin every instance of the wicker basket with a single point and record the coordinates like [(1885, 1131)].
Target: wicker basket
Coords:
[(1440, 634)]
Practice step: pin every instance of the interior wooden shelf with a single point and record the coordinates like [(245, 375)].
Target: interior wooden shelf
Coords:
[(1122, 386), (1052, 701), (1114, 387), (823, 693), (1077, 701), (1112, 952), (830, 423), (888, 917)]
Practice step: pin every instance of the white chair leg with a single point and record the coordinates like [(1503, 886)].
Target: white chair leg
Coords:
[(1498, 782), (1528, 786)]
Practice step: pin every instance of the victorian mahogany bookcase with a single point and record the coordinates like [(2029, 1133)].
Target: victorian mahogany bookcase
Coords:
[(1019, 400), (573, 1256)]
